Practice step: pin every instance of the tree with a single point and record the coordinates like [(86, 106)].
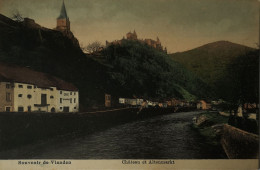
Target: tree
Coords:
[(17, 16), (94, 47), (241, 81), (82, 47), (144, 71)]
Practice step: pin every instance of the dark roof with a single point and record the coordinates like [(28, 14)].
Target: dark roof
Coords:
[(13, 73), (63, 13)]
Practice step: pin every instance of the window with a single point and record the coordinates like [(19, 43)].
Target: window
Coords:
[(60, 92), (60, 108), (70, 93), (20, 109), (8, 86), (51, 89), (70, 100), (29, 96), (8, 109), (29, 108), (8, 97), (51, 97), (29, 87), (75, 107), (60, 100), (20, 86), (43, 99), (75, 100), (20, 95), (74, 93)]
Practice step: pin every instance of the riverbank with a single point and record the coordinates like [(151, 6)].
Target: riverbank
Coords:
[(239, 144), (209, 125), (236, 143)]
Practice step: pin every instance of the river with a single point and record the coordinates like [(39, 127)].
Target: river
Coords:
[(168, 136)]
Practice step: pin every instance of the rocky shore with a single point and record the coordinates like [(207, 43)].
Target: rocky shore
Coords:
[(236, 143)]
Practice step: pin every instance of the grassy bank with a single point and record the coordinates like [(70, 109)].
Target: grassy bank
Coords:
[(209, 126)]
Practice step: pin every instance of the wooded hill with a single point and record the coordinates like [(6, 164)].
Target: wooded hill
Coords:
[(132, 69), (210, 61), (139, 69), (231, 70)]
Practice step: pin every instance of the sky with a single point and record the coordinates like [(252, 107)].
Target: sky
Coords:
[(180, 24)]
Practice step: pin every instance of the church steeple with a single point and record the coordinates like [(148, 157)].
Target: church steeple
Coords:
[(63, 13), (63, 23)]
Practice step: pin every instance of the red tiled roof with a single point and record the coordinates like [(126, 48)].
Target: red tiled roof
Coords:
[(13, 73)]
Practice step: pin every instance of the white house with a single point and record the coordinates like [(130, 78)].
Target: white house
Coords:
[(122, 100), (132, 102), (25, 90)]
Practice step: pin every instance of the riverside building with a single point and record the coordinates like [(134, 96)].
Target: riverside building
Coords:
[(26, 90)]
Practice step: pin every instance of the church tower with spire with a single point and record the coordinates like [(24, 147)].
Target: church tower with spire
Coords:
[(63, 23)]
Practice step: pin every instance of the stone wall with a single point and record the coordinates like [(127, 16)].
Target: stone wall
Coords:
[(239, 144), (30, 23)]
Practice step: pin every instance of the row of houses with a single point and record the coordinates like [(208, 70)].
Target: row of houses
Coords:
[(141, 102), (201, 104), (26, 90)]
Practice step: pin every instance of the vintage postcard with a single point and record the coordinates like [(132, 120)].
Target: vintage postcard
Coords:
[(129, 84)]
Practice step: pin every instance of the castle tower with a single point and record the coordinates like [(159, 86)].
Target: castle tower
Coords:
[(134, 35), (128, 35), (63, 23), (131, 36), (158, 41), (165, 50)]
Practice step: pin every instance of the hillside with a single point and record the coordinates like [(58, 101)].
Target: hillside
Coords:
[(133, 69), (49, 51), (210, 61), (141, 70)]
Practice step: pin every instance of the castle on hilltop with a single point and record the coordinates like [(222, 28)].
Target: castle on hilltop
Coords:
[(133, 36)]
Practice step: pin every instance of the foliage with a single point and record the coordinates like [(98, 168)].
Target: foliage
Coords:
[(94, 47), (17, 16), (206, 128), (215, 117), (144, 71), (240, 84), (249, 125), (231, 70), (210, 61)]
